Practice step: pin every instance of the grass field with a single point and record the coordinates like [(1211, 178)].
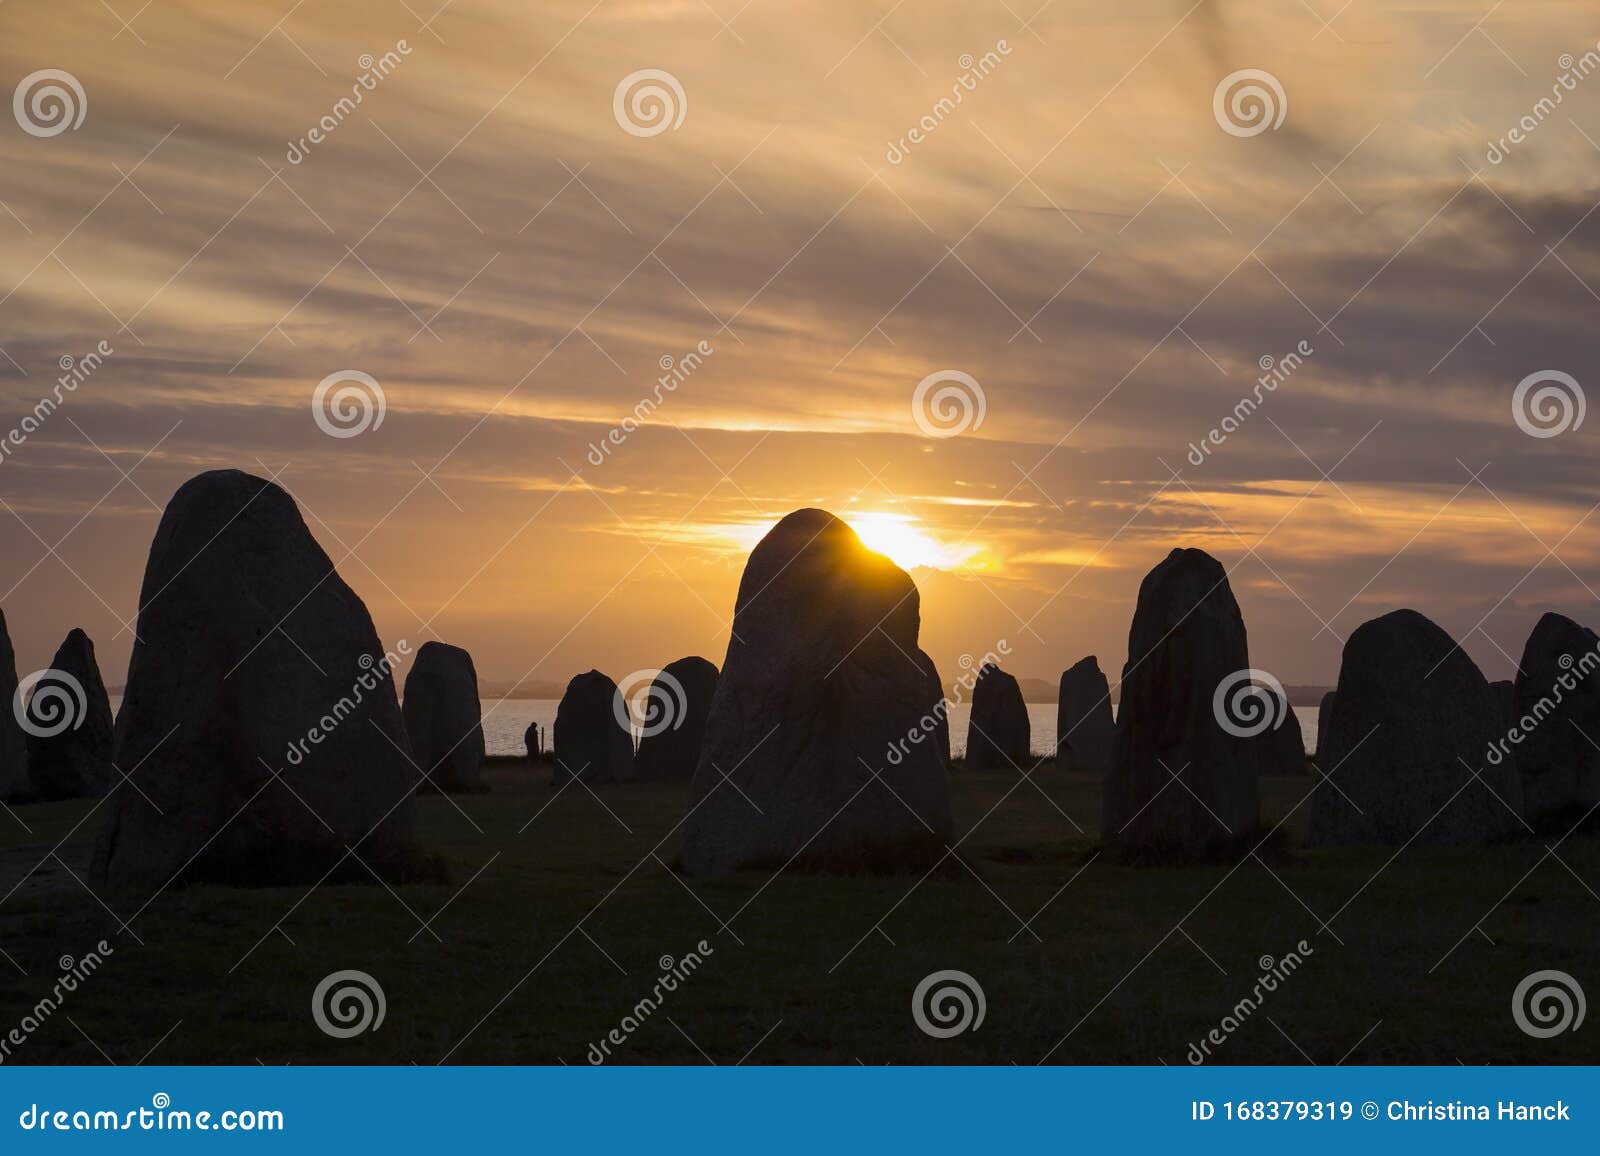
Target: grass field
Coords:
[(557, 913)]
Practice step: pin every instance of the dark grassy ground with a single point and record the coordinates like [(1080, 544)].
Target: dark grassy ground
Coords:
[(560, 935)]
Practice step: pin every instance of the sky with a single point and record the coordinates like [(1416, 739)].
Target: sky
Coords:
[(998, 346)]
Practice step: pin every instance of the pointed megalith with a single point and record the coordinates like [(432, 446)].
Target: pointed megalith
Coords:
[(998, 730), (68, 721), (444, 720), (1324, 713), (593, 734), (672, 720), (530, 739), (1085, 730), (1180, 781), (816, 748), (15, 783), (1556, 713), (1408, 741), (1281, 748), (260, 724)]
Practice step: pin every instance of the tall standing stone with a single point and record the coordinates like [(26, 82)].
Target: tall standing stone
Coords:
[(1180, 783), (260, 721), (1407, 744), (593, 738), (68, 720), (15, 783), (1085, 729), (1324, 713), (998, 729), (1556, 710), (444, 719), (816, 749), (672, 723)]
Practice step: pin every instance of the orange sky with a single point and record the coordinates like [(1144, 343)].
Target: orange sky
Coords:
[(1078, 236)]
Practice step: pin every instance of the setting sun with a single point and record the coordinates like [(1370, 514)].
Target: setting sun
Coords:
[(899, 538)]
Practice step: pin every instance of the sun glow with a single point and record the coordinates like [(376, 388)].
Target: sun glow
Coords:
[(899, 538)]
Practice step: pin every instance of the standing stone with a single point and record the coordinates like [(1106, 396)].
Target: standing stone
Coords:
[(937, 719), (530, 739), (1085, 730), (444, 719), (818, 720), (1557, 710), (15, 784), (998, 729), (1324, 713), (70, 742), (1180, 783), (593, 740), (673, 721), (1281, 749), (1505, 697), (1412, 722), (253, 658)]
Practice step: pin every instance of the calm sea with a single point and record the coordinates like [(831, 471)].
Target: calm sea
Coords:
[(505, 720)]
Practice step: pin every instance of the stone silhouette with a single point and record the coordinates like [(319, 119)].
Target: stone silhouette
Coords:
[(816, 749), (1324, 712), (1281, 749), (70, 743), (937, 719), (998, 730), (260, 721), (1505, 697), (530, 739), (444, 719), (1410, 727), (593, 740), (672, 720), (1180, 783), (15, 784), (1556, 710), (1085, 731)]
